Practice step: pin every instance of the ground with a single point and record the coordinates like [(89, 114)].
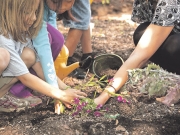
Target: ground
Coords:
[(112, 33)]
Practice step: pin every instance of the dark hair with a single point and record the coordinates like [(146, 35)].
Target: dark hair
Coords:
[(66, 15)]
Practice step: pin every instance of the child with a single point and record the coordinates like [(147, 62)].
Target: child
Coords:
[(19, 24), (79, 31), (48, 44)]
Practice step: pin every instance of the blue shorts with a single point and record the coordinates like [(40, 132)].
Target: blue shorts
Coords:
[(82, 12)]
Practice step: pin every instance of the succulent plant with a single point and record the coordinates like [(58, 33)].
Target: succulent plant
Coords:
[(152, 80)]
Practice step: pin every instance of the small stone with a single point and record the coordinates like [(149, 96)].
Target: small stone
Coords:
[(120, 128), (117, 122)]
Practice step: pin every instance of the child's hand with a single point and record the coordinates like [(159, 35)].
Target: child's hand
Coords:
[(70, 94), (67, 98)]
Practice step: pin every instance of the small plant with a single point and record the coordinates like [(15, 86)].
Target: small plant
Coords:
[(87, 106), (95, 83), (120, 97), (152, 80)]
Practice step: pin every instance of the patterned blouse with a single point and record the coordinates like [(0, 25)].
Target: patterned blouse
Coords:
[(162, 12)]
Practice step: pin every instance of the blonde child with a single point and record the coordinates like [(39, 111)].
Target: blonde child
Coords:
[(48, 44), (20, 22)]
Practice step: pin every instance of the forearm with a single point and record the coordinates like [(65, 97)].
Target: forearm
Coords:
[(151, 40), (117, 82), (61, 84), (38, 69), (41, 86)]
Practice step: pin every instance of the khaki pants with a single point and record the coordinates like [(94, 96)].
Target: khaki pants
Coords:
[(5, 80)]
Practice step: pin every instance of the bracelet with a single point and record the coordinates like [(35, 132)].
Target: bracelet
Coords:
[(67, 87), (112, 87), (109, 93)]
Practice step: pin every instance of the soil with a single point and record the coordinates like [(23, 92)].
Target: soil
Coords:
[(112, 33)]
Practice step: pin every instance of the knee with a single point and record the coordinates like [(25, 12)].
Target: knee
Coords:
[(4, 59), (29, 57), (172, 46)]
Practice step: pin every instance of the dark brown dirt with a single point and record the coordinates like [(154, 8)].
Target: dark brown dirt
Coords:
[(143, 116)]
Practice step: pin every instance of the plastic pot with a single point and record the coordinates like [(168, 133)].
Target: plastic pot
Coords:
[(104, 62)]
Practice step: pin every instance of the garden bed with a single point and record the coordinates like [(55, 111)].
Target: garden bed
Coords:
[(142, 116)]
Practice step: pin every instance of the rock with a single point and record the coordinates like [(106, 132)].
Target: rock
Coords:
[(120, 128)]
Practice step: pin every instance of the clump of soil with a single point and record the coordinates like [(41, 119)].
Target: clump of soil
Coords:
[(108, 72)]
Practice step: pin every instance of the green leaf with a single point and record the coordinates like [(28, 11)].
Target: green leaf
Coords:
[(91, 84), (112, 116), (102, 84), (91, 78), (103, 77)]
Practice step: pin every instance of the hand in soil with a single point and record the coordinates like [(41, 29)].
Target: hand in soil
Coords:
[(102, 99), (67, 99), (70, 94)]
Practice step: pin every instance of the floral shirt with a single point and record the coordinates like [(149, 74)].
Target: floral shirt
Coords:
[(162, 12)]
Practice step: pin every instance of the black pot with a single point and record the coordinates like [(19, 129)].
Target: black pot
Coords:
[(106, 61)]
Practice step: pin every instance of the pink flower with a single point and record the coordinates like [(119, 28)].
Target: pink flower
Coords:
[(110, 80), (88, 111), (128, 102), (97, 114), (76, 101), (107, 109), (99, 107), (124, 101), (75, 113), (119, 99), (84, 104), (79, 107)]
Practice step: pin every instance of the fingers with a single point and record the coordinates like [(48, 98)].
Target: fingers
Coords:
[(67, 105), (71, 94), (81, 96), (80, 93)]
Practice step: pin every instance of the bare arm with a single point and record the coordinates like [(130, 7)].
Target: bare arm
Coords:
[(151, 40), (41, 86), (62, 86)]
